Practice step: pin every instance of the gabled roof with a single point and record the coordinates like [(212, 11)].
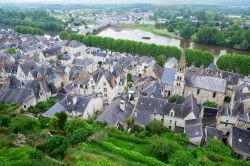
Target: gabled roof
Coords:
[(27, 67), (56, 108), (82, 103)]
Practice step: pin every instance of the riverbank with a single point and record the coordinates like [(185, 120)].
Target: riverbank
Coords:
[(149, 28)]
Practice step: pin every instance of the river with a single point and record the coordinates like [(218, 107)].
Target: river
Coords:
[(137, 34)]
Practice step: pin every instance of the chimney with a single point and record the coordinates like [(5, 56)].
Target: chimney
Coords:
[(122, 105)]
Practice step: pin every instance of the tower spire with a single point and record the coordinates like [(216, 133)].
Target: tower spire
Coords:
[(183, 57)]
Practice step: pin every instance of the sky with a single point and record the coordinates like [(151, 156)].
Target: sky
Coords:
[(130, 1)]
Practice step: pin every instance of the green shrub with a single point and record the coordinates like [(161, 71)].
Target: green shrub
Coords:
[(80, 135), (22, 123), (182, 158), (54, 146), (10, 51), (175, 98), (162, 149), (217, 147), (210, 104), (156, 127)]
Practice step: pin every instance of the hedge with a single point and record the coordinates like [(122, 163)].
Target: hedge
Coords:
[(132, 154), (199, 58), (234, 63)]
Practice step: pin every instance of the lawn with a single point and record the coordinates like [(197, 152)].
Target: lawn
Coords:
[(149, 28)]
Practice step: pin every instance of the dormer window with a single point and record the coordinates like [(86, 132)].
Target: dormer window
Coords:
[(171, 113)]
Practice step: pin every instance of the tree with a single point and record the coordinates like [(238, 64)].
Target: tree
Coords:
[(234, 63), (129, 77), (187, 31), (55, 146), (10, 51), (199, 58), (64, 35), (182, 158), (54, 121), (62, 118), (161, 59), (155, 127), (210, 35), (174, 98), (74, 124)]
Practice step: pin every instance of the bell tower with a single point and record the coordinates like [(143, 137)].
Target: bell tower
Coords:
[(179, 81)]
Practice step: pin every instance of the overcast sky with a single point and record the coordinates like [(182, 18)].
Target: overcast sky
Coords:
[(130, 1)]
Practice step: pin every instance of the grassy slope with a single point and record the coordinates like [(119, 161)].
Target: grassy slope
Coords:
[(149, 28), (92, 154)]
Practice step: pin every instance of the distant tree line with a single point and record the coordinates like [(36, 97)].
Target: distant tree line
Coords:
[(124, 46), (161, 53), (33, 18), (234, 63), (29, 30)]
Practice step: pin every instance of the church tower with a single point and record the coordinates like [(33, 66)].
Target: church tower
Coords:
[(179, 81)]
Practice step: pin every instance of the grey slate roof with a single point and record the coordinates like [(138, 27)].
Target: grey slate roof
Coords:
[(82, 103), (18, 95), (14, 82), (173, 61), (168, 76), (212, 132), (146, 106), (193, 128), (56, 108), (27, 67), (241, 140), (205, 82), (112, 114), (152, 89)]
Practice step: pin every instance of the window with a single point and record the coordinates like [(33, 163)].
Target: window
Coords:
[(170, 121), (105, 89), (171, 114), (81, 86), (214, 94), (198, 91), (104, 84)]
